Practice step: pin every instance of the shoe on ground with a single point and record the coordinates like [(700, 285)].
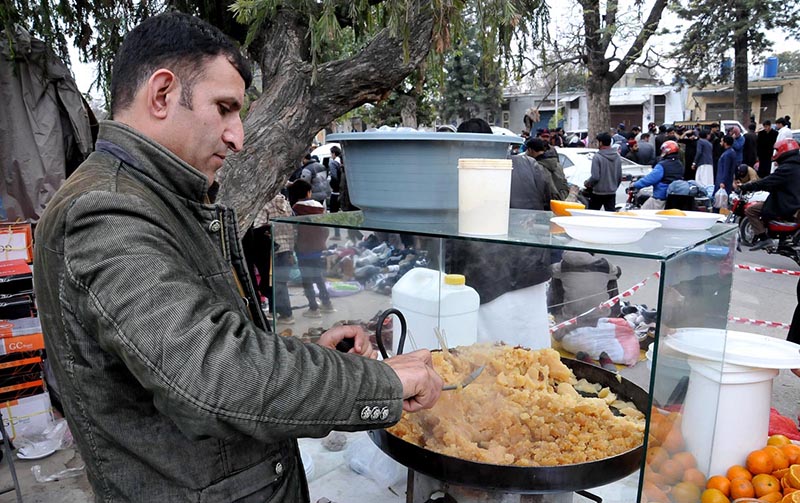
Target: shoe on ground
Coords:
[(584, 357), (606, 363), (327, 308), (312, 313), (764, 243), (285, 320)]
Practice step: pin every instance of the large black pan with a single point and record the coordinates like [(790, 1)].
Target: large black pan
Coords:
[(524, 479)]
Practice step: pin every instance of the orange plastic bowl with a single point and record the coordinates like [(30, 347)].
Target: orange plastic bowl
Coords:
[(561, 208)]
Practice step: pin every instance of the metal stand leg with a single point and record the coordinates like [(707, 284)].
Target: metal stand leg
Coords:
[(8, 455)]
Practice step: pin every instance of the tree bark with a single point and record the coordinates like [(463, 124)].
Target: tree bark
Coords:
[(598, 94), (741, 100), (293, 107)]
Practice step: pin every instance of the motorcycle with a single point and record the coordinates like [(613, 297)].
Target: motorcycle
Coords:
[(787, 233)]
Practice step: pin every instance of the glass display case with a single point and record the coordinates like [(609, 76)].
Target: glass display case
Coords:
[(633, 309)]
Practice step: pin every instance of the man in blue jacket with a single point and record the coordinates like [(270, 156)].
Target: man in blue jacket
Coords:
[(704, 160), (726, 166), (666, 171)]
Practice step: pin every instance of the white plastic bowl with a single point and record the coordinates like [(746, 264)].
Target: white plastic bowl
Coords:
[(612, 214), (692, 221), (605, 230)]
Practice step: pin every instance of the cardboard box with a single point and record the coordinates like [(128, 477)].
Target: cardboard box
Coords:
[(16, 278), (29, 415), (22, 343), (20, 326), (16, 241)]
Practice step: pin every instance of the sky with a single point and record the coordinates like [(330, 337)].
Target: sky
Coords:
[(561, 14)]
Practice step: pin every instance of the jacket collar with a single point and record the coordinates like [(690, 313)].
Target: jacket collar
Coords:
[(154, 161)]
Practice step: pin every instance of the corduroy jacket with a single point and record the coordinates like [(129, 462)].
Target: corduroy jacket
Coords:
[(172, 388)]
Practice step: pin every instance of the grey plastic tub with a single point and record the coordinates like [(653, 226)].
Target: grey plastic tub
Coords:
[(412, 177)]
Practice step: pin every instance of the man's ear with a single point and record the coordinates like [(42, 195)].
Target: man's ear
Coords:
[(163, 92)]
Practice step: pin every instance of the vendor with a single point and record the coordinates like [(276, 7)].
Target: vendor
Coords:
[(172, 387)]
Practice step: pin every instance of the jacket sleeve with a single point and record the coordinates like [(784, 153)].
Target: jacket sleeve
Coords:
[(181, 335), (701, 147), (651, 178), (738, 144), (777, 178)]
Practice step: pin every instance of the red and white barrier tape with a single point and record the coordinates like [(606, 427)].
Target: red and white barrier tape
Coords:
[(760, 323), (609, 303), (785, 272)]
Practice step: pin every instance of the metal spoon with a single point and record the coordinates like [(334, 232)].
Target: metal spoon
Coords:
[(471, 377)]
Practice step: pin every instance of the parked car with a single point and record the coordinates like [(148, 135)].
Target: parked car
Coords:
[(577, 164), (324, 151)]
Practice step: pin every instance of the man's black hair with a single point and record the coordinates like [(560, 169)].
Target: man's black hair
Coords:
[(703, 133), (474, 125), (604, 139), (336, 150), (178, 42), (715, 125), (781, 121), (727, 140), (298, 190), (536, 144), (766, 123), (751, 127), (645, 136)]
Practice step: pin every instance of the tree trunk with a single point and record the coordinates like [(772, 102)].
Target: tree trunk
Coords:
[(741, 100), (282, 123), (408, 110), (598, 95)]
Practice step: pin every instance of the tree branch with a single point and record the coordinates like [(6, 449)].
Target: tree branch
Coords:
[(650, 27)]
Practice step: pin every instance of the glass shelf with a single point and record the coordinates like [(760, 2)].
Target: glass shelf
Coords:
[(528, 227)]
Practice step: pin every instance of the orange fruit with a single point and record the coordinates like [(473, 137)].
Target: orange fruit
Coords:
[(654, 494), (671, 470), (686, 459), (765, 484), (738, 471), (778, 440), (656, 456), (792, 497), (779, 474), (742, 488), (713, 496), (685, 492), (720, 483), (759, 461), (771, 498), (779, 459), (792, 452), (673, 441), (793, 477), (695, 476)]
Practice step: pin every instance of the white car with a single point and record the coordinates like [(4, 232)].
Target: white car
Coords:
[(324, 151), (577, 164)]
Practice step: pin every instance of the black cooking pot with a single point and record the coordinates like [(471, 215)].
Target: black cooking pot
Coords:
[(520, 479)]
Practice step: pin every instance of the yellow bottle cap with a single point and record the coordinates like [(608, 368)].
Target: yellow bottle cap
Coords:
[(455, 279)]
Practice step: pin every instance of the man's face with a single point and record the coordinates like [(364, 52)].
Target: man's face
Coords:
[(778, 126), (767, 127), (203, 135)]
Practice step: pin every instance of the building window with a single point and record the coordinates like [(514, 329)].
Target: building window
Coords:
[(659, 109), (506, 118)]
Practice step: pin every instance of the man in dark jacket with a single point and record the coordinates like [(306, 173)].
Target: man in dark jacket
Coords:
[(783, 186), (547, 157), (703, 163), (726, 166), (173, 389), (606, 175), (530, 188), (764, 146), (647, 152), (749, 153)]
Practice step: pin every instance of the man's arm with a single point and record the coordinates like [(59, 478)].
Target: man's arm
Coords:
[(651, 178), (594, 177), (181, 335)]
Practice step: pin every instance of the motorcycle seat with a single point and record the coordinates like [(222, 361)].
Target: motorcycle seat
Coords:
[(783, 226)]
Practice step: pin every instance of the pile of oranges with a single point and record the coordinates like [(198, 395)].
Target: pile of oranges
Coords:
[(770, 474)]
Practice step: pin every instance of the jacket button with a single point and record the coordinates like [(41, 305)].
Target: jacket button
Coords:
[(366, 413), (278, 468), (214, 226)]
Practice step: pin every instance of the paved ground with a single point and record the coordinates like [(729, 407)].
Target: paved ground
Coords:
[(756, 295)]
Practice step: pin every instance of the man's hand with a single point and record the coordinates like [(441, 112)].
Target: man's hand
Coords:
[(421, 384), (356, 334)]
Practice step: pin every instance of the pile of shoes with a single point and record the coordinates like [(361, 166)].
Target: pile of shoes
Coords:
[(642, 319)]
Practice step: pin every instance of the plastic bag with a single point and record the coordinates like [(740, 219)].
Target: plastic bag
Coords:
[(63, 474), (366, 459), (721, 199), (613, 336), (36, 445)]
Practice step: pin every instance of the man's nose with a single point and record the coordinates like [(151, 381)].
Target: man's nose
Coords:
[(233, 136)]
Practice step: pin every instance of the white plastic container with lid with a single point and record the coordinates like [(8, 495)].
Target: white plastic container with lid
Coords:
[(484, 194), (428, 298)]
